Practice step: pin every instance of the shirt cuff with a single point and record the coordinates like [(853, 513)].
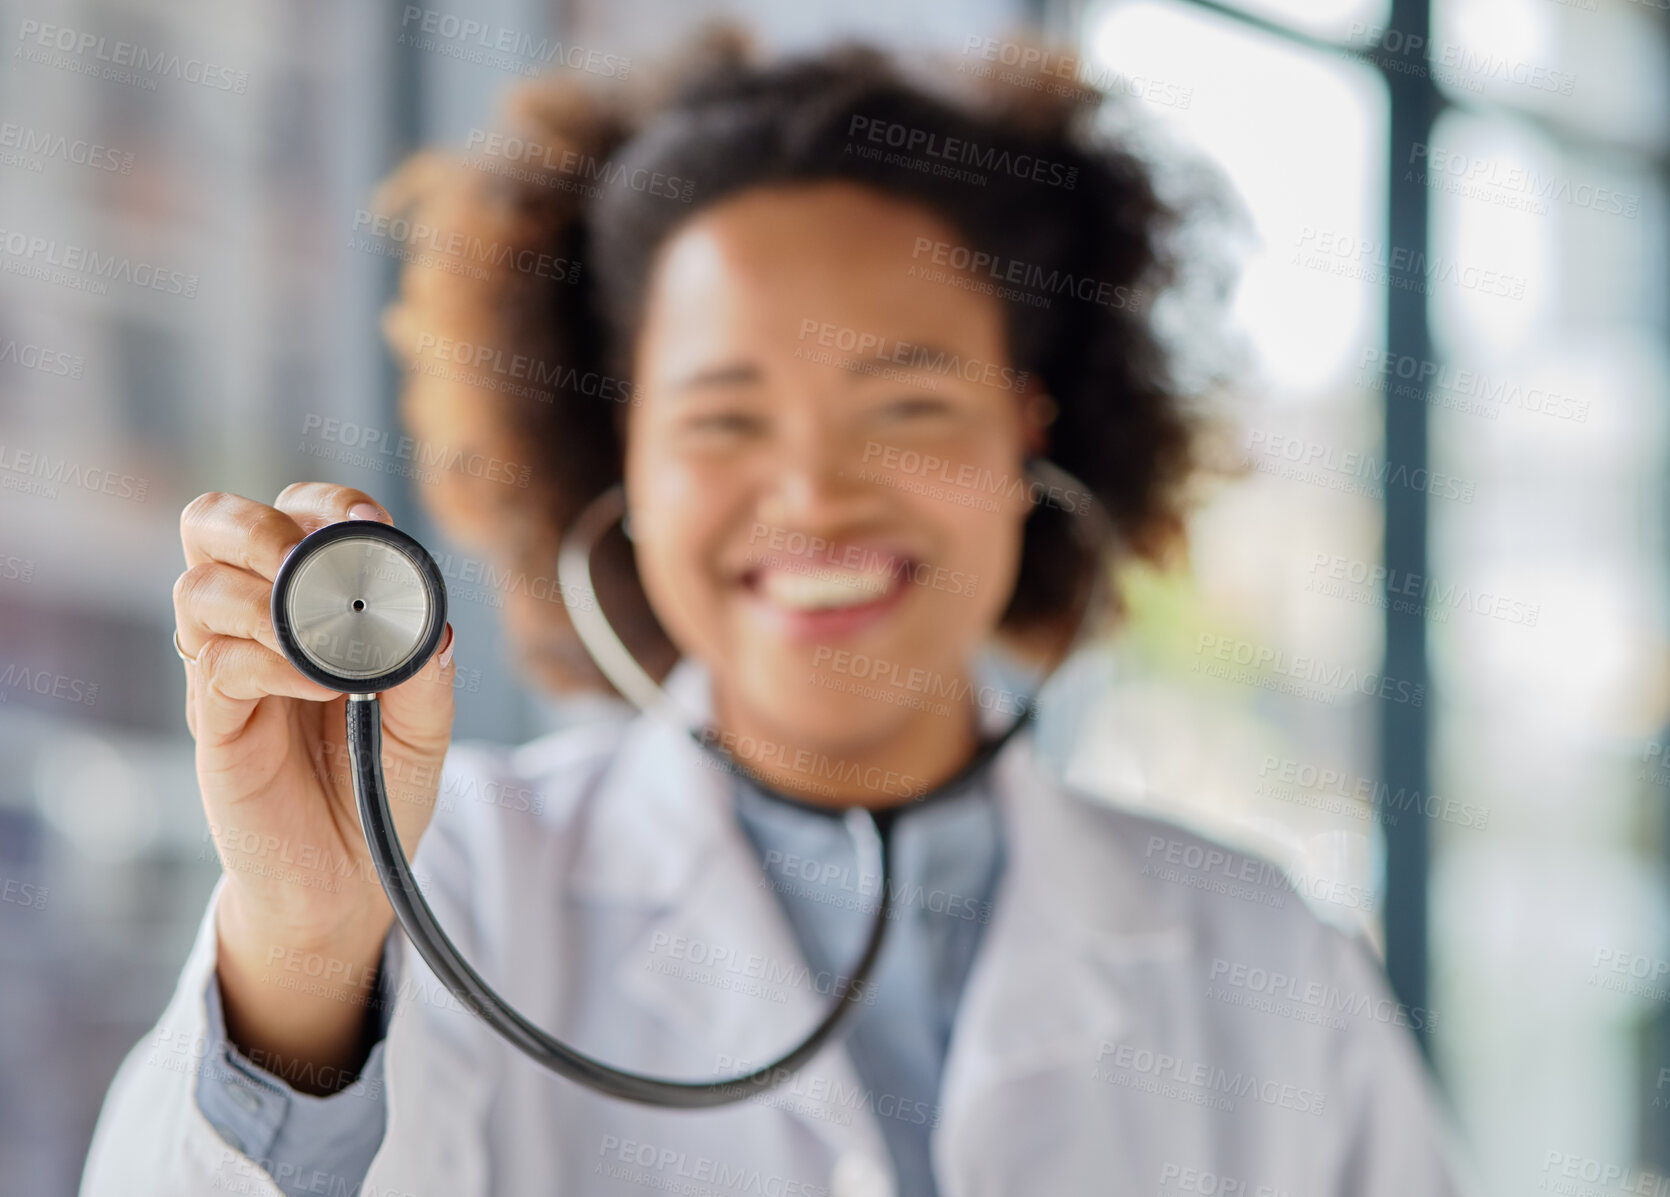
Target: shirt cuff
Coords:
[(302, 1141)]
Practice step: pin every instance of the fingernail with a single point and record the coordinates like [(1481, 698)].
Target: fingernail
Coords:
[(445, 658), (368, 511)]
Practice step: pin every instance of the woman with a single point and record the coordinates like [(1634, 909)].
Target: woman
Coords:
[(820, 324)]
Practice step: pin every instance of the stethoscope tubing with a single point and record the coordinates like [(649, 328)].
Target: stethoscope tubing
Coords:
[(417, 919)]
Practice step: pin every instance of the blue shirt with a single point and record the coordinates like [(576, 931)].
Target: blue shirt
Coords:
[(947, 857)]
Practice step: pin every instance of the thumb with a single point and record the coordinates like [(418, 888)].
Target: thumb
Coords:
[(417, 714)]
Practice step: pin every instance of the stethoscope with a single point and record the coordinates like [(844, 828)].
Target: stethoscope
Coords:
[(360, 607)]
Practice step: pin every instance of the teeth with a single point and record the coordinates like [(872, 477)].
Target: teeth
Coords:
[(825, 589)]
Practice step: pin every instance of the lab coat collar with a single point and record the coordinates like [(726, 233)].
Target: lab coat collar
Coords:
[(668, 805)]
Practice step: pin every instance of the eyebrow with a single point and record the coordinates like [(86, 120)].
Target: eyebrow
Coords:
[(717, 376), (734, 373), (920, 352)]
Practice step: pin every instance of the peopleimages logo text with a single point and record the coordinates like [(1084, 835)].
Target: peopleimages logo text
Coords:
[(961, 151), (115, 268)]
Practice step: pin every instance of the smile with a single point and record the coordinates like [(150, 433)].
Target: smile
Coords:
[(809, 600), (824, 588)]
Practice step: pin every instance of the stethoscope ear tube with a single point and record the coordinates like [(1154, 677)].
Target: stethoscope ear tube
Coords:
[(365, 757)]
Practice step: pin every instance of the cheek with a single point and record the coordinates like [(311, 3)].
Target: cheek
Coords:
[(676, 522), (979, 561)]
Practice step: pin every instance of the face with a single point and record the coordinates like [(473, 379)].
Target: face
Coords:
[(825, 468)]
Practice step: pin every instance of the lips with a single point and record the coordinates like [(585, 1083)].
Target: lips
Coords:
[(835, 595)]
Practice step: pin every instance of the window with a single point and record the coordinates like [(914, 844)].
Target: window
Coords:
[(1464, 493)]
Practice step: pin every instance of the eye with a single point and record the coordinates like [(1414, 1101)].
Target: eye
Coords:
[(915, 407), (725, 423)]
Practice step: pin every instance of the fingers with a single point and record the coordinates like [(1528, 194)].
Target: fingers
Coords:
[(238, 531), (216, 599), (255, 537), (417, 714), (232, 675), (312, 505), (233, 548)]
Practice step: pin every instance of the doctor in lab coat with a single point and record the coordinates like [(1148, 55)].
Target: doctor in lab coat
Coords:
[(1147, 1012)]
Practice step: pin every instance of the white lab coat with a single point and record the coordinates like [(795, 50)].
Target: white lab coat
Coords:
[(1104, 1044)]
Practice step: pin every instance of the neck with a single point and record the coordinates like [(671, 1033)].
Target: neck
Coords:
[(914, 754)]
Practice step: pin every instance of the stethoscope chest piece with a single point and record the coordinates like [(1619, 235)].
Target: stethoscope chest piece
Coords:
[(359, 607)]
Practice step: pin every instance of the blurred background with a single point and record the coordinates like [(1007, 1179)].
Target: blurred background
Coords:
[(1419, 654)]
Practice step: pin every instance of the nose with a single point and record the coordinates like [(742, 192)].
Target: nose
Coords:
[(815, 483)]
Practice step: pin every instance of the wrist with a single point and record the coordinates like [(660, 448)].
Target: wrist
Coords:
[(255, 938), (299, 1005)]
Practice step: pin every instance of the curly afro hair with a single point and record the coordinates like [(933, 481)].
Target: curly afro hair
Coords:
[(516, 332)]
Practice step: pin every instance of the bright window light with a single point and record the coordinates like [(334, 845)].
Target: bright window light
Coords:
[(1301, 138)]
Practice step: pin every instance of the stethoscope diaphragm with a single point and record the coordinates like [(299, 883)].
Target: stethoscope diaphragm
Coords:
[(359, 607)]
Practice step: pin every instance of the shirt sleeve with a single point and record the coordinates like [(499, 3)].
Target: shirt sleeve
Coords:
[(307, 1144)]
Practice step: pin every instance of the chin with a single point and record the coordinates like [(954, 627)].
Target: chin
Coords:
[(809, 711)]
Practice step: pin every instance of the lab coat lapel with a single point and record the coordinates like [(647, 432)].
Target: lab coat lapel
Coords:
[(1044, 992), (719, 962)]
